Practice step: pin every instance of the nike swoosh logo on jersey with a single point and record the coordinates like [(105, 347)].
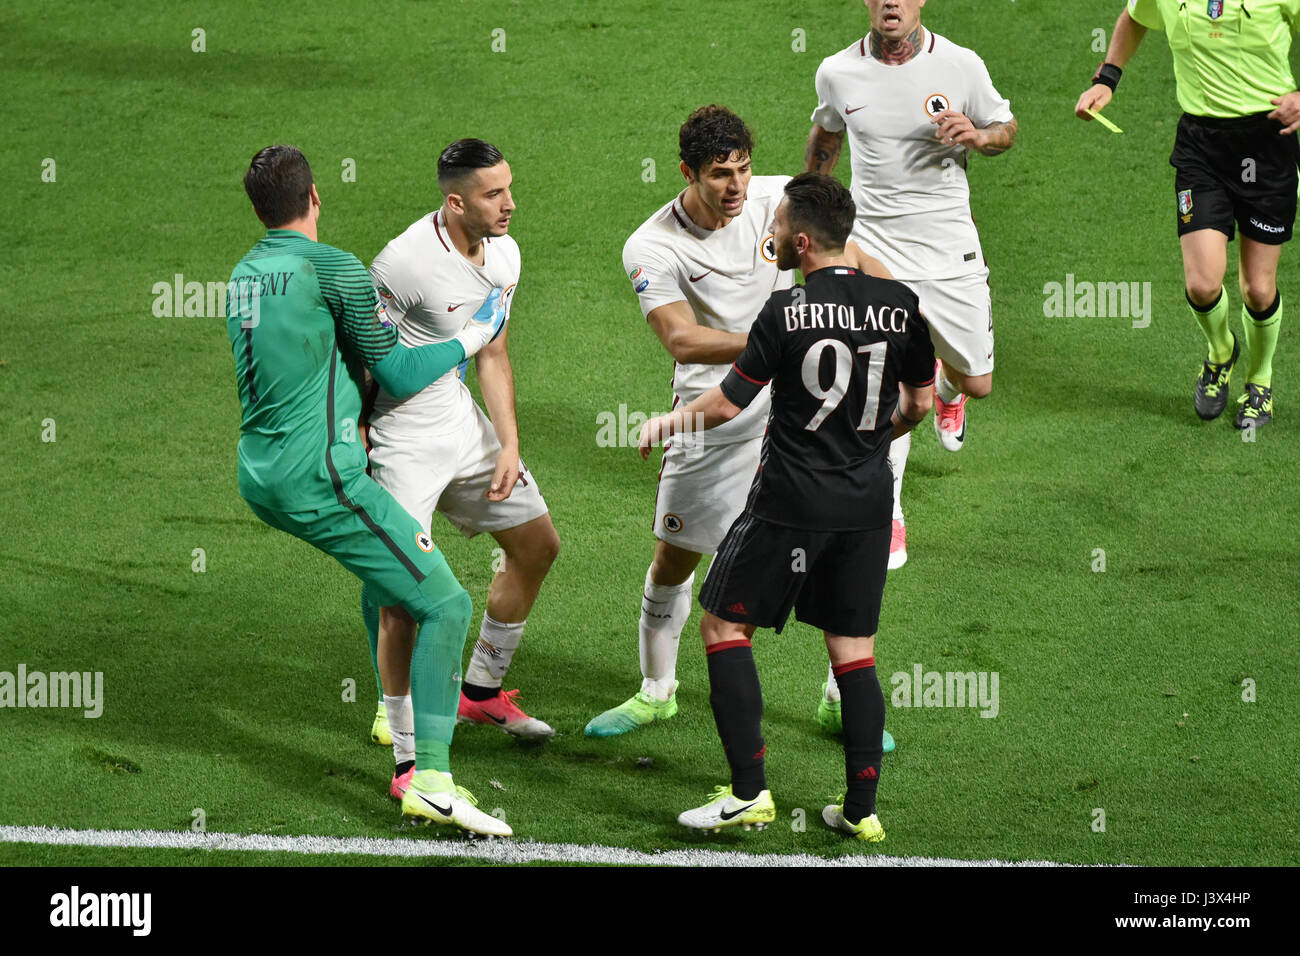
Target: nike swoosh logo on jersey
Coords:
[(445, 813), (735, 813), (453, 308), (700, 276), (854, 110)]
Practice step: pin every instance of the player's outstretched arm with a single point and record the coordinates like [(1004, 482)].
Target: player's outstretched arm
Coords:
[(823, 151), (402, 371), (689, 342), (913, 405), (859, 260), (1123, 44), (708, 411)]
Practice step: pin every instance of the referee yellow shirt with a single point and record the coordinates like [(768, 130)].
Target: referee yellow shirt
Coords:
[(1230, 56)]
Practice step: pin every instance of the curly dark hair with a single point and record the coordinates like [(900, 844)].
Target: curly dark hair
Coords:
[(711, 134)]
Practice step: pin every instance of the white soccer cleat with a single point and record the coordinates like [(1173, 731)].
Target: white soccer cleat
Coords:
[(725, 810), (897, 545), (432, 797)]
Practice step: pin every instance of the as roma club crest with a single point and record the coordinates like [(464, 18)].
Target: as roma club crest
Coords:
[(935, 104)]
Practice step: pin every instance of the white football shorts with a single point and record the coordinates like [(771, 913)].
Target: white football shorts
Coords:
[(960, 313), (702, 491), (449, 472)]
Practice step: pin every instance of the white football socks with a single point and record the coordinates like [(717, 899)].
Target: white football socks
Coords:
[(664, 610), (898, 451), (945, 389), (401, 723), (493, 652)]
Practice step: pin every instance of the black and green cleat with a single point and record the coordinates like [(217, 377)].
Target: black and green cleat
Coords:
[(1256, 406), (1212, 386)]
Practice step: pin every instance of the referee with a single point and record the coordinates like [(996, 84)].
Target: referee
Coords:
[(1235, 157)]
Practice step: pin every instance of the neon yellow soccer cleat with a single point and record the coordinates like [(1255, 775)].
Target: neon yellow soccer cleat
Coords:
[(725, 810), (868, 829), (379, 732), (432, 797), (637, 711), (831, 720)]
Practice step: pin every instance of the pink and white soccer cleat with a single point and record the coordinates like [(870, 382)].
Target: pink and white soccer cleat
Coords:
[(950, 422), (401, 784), (898, 545), (502, 711)]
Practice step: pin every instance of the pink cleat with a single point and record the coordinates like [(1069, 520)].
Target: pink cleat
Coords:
[(950, 422), (400, 784), (898, 545), (502, 711)]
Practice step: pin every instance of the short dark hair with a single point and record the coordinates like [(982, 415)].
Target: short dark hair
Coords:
[(711, 134), (821, 207), (279, 183), (463, 157)]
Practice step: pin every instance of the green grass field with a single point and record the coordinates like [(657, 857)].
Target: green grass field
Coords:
[(1120, 690)]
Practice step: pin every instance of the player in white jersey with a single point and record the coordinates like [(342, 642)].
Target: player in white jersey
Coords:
[(914, 105), (438, 451), (702, 267)]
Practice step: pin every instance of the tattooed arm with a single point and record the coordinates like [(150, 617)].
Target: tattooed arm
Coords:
[(999, 138), (823, 151), (956, 128)]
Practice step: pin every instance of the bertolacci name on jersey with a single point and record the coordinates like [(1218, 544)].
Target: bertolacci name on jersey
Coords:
[(832, 315)]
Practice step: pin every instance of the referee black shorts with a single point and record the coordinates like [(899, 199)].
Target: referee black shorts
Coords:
[(832, 580), (1236, 172)]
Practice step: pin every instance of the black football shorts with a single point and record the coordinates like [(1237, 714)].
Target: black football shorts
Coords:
[(832, 580), (1235, 172)]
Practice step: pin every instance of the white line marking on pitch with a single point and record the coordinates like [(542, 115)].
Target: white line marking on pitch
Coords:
[(496, 851)]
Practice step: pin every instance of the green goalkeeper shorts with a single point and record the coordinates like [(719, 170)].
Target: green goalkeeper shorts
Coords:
[(372, 536)]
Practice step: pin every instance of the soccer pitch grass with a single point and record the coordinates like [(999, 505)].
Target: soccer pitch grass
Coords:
[(1119, 690)]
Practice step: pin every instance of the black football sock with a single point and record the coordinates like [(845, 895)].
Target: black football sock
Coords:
[(402, 767), (475, 692), (862, 709), (737, 701)]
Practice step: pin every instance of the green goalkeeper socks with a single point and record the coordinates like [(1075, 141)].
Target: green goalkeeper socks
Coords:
[(370, 614), (1213, 320), (435, 678), (1261, 338)]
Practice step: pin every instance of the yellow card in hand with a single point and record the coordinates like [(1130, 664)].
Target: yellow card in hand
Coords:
[(1103, 121)]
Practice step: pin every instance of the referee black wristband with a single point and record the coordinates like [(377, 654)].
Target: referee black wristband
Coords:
[(1108, 75)]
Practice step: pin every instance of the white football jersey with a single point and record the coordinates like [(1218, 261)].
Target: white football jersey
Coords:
[(430, 289), (725, 275), (910, 189)]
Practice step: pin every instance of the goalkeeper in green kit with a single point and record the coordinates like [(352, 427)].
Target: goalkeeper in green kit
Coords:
[(1235, 158), (305, 324)]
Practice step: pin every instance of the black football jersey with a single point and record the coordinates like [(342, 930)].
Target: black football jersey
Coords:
[(835, 350)]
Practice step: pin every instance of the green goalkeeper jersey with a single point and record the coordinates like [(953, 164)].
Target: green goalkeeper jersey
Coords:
[(303, 319)]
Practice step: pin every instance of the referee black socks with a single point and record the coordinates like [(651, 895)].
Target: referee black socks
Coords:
[(862, 709), (737, 701)]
